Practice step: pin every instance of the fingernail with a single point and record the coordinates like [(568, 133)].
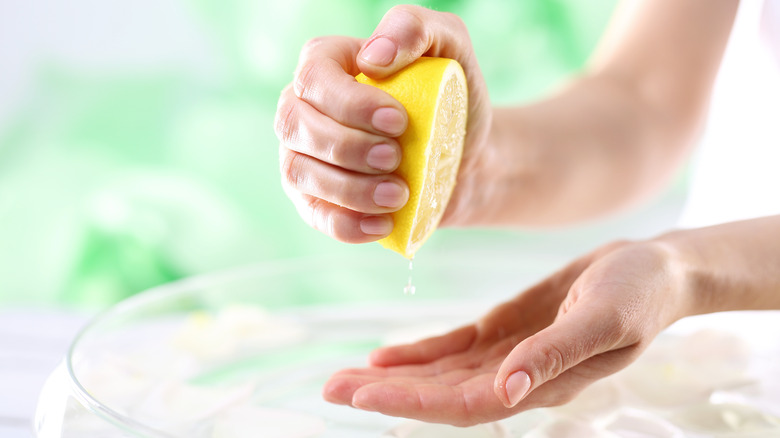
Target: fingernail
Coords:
[(380, 52), (388, 120), (389, 194), (517, 386), (376, 225), (382, 157)]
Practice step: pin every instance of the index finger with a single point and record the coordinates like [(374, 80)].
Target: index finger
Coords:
[(325, 79)]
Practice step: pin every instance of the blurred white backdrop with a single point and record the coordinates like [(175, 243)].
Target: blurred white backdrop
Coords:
[(736, 172)]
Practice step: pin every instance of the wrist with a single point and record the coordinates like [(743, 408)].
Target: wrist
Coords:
[(679, 278), (731, 266)]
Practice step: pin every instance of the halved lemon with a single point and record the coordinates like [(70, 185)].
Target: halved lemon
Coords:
[(435, 95)]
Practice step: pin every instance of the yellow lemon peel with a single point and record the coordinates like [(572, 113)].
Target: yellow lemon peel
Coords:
[(435, 95)]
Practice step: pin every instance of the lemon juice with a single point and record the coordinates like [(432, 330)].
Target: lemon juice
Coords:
[(409, 289)]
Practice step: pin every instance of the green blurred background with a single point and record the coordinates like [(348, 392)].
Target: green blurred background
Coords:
[(137, 143)]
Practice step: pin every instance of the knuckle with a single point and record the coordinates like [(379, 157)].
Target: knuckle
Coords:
[(312, 46), (304, 84), (472, 414), (554, 361), (616, 328), (412, 18), (411, 12), (327, 218), (339, 150), (454, 22), (335, 153), (612, 246), (320, 216), (286, 122), (293, 167), (339, 231), (358, 106)]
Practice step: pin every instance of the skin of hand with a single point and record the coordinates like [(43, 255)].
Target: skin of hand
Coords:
[(607, 140), (583, 323), (338, 138), (587, 321), (616, 133)]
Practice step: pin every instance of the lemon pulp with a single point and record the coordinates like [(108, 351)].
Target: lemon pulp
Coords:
[(435, 95)]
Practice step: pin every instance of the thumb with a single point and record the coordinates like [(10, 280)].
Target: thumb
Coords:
[(408, 32), (570, 340)]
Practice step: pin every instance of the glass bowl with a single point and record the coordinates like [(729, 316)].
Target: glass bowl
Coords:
[(244, 353)]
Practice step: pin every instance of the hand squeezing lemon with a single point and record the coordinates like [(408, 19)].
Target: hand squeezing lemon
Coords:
[(435, 95)]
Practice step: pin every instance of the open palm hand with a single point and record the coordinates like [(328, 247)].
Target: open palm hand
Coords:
[(542, 348)]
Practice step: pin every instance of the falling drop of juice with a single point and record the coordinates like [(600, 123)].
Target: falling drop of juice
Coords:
[(409, 289)]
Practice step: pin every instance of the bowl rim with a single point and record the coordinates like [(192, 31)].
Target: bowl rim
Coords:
[(187, 284), (148, 296)]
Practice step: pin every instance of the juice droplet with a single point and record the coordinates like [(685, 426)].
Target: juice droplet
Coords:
[(409, 289)]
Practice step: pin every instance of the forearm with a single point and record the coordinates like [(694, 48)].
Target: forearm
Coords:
[(618, 133), (592, 149), (732, 266)]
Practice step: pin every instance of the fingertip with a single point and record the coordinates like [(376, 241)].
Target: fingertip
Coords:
[(331, 390), (518, 384), (499, 389), (339, 389), (376, 226), (384, 157), (379, 51), (340, 223), (364, 400), (382, 357), (389, 120), (382, 56), (402, 36), (392, 194), (513, 388)]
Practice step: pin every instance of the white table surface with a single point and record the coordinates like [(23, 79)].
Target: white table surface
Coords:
[(32, 343)]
